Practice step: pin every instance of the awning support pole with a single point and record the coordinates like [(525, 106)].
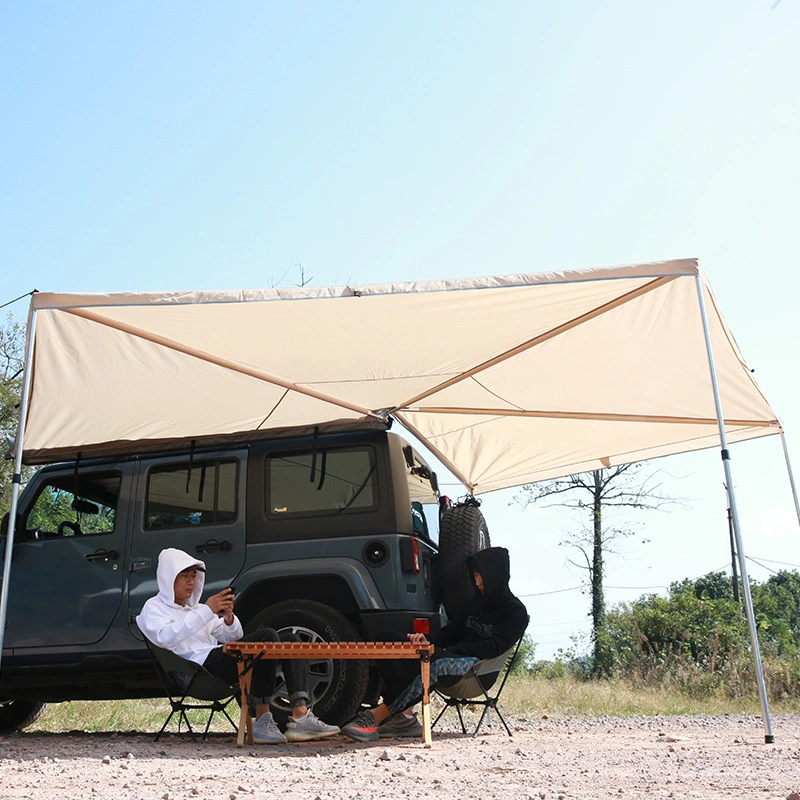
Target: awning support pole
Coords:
[(726, 461), (791, 476), (17, 478)]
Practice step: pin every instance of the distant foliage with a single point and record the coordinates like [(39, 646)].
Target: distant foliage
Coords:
[(12, 347), (525, 658), (777, 607), (697, 636)]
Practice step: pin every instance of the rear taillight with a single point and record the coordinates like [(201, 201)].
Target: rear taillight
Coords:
[(415, 562)]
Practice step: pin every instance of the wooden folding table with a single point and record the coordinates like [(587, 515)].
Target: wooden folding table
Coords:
[(247, 653)]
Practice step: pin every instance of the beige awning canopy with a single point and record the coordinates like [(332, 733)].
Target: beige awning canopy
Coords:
[(509, 380)]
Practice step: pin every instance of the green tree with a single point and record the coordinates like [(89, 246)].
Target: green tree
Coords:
[(690, 626), (714, 585), (596, 495), (12, 348), (776, 604)]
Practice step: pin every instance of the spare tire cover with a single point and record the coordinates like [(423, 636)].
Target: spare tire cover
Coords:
[(462, 532)]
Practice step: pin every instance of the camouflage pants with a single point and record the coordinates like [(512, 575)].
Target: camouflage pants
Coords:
[(439, 668)]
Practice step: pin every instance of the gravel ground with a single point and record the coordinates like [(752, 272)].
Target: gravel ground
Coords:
[(552, 759)]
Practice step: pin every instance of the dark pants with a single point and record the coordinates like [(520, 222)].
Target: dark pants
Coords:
[(262, 688)]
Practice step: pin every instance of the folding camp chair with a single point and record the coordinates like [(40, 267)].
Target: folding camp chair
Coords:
[(472, 688), (184, 679)]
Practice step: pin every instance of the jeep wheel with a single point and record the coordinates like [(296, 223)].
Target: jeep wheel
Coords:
[(462, 532), (18, 714), (337, 687)]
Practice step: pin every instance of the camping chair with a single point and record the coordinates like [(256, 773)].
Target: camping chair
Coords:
[(184, 679), (472, 688)]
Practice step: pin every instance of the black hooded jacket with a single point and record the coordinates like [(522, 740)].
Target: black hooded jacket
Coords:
[(493, 620)]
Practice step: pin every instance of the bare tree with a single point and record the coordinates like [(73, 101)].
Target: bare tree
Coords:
[(593, 494)]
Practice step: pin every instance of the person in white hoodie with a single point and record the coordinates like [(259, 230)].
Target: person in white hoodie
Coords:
[(176, 620)]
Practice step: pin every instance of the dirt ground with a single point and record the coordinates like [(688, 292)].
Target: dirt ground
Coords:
[(547, 759)]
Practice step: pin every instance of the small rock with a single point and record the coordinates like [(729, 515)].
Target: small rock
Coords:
[(385, 756), (106, 759), (793, 796)]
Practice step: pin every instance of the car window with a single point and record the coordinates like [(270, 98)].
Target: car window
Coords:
[(78, 504), (423, 491), (191, 493), (324, 481)]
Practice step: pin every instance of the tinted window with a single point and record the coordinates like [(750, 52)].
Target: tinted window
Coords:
[(321, 482), (75, 505), (196, 493)]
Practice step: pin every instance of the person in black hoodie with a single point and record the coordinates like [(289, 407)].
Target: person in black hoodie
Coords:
[(491, 623)]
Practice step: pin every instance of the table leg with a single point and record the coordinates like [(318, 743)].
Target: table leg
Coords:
[(425, 673), (245, 723)]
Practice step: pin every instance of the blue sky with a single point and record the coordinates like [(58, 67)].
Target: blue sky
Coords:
[(187, 145)]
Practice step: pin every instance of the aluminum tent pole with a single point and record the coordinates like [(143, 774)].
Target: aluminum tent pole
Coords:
[(16, 480), (791, 476), (726, 459)]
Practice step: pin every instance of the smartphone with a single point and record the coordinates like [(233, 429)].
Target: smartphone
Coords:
[(233, 590)]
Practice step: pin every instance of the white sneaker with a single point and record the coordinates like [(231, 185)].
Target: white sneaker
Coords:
[(266, 730), (308, 727)]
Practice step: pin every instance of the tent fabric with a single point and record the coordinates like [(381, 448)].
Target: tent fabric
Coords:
[(508, 379)]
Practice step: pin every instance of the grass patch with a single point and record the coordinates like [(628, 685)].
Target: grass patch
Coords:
[(142, 716), (529, 697), (571, 697)]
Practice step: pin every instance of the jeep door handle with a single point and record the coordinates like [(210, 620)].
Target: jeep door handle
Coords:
[(213, 546), (102, 555)]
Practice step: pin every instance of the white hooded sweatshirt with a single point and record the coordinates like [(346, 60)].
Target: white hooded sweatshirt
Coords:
[(192, 630)]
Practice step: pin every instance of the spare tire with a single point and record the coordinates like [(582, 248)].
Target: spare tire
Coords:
[(462, 532)]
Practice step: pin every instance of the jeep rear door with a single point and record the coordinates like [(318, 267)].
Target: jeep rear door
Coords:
[(192, 503)]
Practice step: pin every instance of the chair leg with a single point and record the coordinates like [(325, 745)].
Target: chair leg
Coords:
[(189, 728), (480, 721), (460, 716), (164, 726), (505, 724), (439, 716), (208, 723), (488, 706), (219, 708), (450, 702)]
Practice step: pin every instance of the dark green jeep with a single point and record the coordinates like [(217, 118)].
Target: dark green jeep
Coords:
[(336, 536)]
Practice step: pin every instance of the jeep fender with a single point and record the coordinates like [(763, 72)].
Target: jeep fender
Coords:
[(343, 584)]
